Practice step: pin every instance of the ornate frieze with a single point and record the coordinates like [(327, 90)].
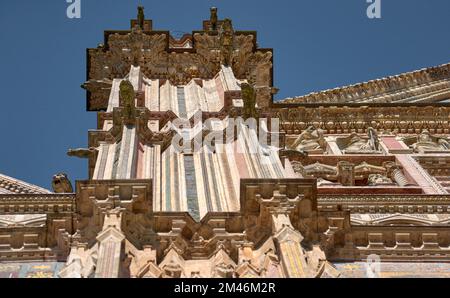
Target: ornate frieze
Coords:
[(339, 120)]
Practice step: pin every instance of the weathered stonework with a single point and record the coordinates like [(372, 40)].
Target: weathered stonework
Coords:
[(361, 170)]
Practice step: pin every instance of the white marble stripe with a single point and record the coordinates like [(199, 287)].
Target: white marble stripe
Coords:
[(192, 99), (128, 154), (215, 182), (182, 184), (276, 162), (135, 77), (107, 125), (156, 176), (222, 174), (132, 160), (202, 97), (174, 100), (101, 152), (223, 81), (100, 165), (109, 163), (165, 192), (248, 155), (199, 174), (114, 95), (212, 97), (235, 175), (152, 97), (173, 190), (165, 97), (230, 79)]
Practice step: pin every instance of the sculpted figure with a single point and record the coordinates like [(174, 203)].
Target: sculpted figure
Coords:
[(377, 179), (310, 140), (127, 98), (61, 184), (249, 99), (213, 19), (426, 142), (357, 144), (141, 17), (226, 41)]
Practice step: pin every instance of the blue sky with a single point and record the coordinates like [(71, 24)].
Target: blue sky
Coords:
[(318, 44)]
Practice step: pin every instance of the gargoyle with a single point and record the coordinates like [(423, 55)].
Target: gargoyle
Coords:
[(61, 184), (82, 152)]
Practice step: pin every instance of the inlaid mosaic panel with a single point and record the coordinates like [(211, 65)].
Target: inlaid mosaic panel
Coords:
[(30, 270), (395, 270)]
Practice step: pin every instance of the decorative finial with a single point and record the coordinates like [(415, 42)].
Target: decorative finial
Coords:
[(141, 17), (213, 19)]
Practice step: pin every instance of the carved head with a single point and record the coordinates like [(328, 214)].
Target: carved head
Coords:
[(425, 136), (61, 184)]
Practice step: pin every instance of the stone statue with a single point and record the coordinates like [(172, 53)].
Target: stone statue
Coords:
[(249, 99), (355, 144), (213, 19), (311, 139), (127, 98), (427, 142), (226, 42), (61, 184), (377, 179), (141, 17)]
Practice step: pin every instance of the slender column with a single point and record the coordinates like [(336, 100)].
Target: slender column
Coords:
[(395, 172)]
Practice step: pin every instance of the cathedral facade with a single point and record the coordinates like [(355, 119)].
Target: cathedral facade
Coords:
[(195, 171)]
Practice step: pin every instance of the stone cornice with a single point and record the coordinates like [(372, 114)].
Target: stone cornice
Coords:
[(37, 203), (378, 91), (11, 185), (385, 203)]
